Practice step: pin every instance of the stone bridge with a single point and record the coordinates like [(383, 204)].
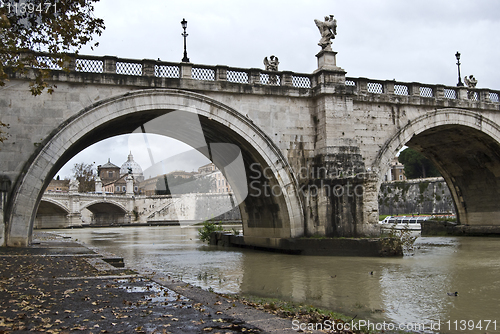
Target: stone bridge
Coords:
[(314, 146), (74, 209)]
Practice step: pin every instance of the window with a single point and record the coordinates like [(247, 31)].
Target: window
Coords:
[(400, 177), (124, 188), (117, 189), (136, 188), (110, 174)]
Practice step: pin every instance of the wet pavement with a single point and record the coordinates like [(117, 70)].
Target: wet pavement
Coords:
[(59, 286)]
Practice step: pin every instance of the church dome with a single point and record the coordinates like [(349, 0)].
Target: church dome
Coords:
[(131, 165)]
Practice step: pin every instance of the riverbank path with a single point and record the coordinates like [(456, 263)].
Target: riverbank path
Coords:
[(58, 285)]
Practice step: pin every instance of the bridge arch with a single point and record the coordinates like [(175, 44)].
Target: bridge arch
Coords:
[(107, 212), (464, 146), (56, 203), (273, 216), (51, 214), (105, 202)]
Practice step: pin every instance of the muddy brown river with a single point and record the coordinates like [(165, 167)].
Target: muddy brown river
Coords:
[(410, 291)]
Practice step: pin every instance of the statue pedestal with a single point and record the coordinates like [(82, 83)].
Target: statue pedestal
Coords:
[(328, 72), (327, 60)]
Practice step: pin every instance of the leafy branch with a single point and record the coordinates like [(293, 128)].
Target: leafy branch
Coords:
[(58, 32)]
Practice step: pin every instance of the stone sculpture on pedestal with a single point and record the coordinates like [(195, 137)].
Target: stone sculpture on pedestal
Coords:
[(328, 30), (272, 63), (471, 82)]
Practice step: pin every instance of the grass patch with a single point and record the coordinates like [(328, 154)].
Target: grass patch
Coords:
[(298, 311), (286, 309)]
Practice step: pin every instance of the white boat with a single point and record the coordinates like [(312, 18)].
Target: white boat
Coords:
[(401, 223)]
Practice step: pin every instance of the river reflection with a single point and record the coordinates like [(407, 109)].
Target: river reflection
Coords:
[(399, 290)]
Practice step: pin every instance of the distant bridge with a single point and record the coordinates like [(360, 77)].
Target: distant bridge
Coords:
[(73, 209), (323, 140)]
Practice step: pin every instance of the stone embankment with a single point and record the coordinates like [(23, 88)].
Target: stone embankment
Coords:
[(426, 196), (312, 246), (449, 228)]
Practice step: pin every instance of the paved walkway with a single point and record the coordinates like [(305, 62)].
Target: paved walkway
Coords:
[(60, 286)]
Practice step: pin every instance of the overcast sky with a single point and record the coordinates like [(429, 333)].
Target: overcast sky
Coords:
[(379, 39)]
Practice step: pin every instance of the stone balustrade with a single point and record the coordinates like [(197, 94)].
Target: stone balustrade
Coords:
[(412, 89), (255, 76)]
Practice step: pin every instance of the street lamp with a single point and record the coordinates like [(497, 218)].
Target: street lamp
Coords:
[(459, 84), (184, 24)]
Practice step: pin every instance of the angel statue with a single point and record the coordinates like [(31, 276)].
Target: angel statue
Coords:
[(328, 30), (271, 64), (471, 82), (74, 184)]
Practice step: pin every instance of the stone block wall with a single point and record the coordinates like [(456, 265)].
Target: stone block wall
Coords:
[(424, 196)]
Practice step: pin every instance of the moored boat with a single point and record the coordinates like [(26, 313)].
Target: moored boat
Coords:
[(403, 222)]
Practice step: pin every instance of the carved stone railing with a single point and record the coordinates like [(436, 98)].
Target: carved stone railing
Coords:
[(169, 70), (416, 89), (218, 73)]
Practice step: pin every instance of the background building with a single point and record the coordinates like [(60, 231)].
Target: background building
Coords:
[(113, 177), (210, 170), (58, 186), (396, 171)]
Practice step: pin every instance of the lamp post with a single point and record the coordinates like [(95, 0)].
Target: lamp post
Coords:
[(459, 84), (184, 24)]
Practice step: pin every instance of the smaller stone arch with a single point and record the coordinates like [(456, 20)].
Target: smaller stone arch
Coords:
[(62, 206), (107, 212), (51, 214), (465, 147), (102, 201)]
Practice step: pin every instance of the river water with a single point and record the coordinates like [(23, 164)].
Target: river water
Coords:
[(405, 290)]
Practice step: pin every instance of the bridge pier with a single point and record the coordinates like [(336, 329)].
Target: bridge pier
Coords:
[(341, 196), (4, 190), (342, 206), (74, 219)]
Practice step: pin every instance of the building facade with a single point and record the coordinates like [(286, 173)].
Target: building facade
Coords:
[(58, 186), (396, 171), (113, 178), (210, 170)]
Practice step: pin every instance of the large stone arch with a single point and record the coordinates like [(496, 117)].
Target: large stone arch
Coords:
[(123, 114), (465, 147)]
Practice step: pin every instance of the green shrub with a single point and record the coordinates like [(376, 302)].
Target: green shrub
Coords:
[(394, 240), (207, 229)]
